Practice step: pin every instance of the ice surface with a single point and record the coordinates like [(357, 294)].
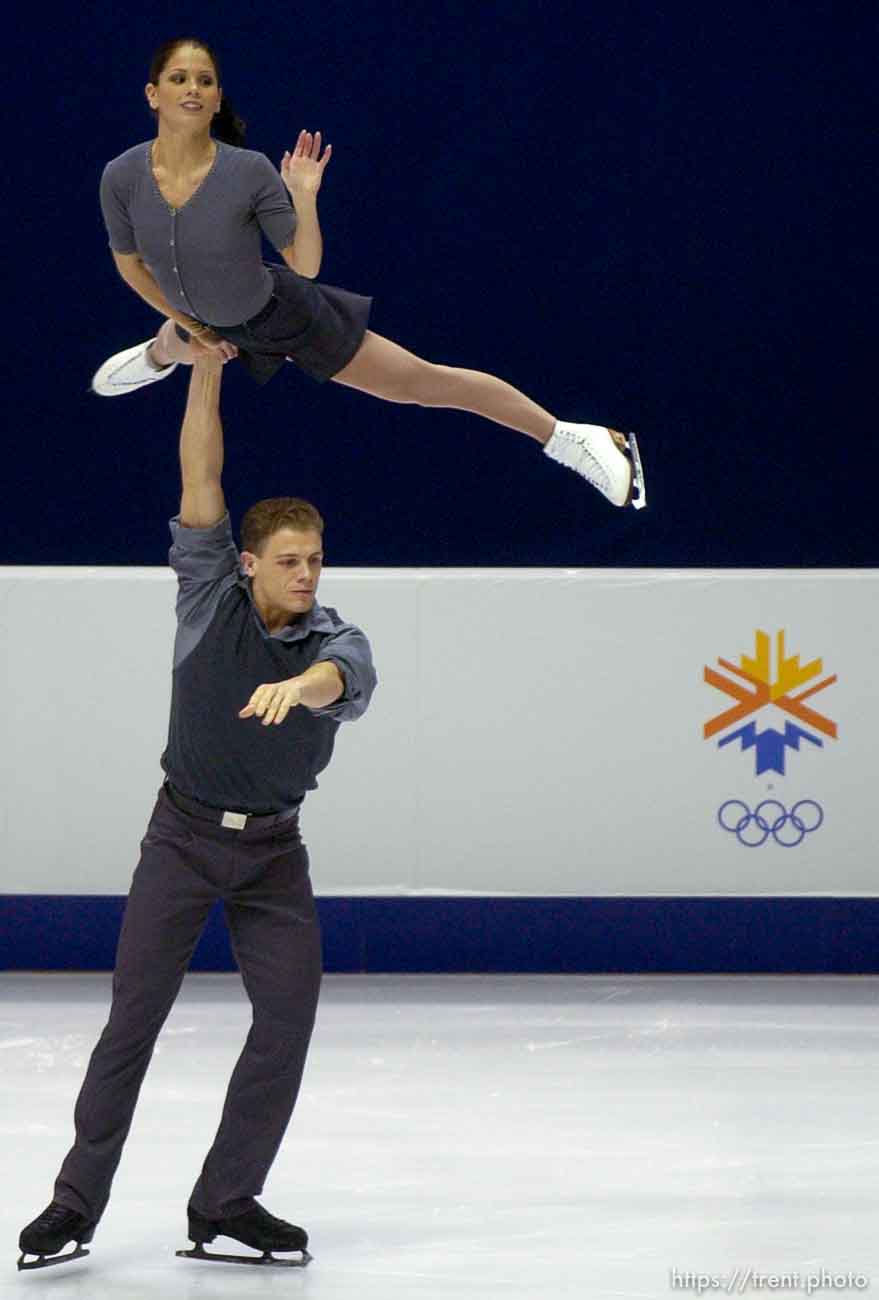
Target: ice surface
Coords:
[(472, 1138)]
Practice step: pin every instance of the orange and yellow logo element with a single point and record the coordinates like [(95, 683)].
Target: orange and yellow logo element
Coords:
[(754, 684)]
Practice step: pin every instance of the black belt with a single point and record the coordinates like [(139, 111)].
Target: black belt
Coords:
[(228, 817)]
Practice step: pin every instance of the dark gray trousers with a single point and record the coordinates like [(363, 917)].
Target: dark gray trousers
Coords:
[(262, 876)]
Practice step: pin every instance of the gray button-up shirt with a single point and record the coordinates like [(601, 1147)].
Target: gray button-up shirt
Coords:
[(207, 255), (222, 652)]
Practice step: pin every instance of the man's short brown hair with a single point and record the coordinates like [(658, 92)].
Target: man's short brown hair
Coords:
[(267, 517)]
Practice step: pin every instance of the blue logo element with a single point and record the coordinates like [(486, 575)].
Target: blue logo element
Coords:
[(804, 818), (770, 744)]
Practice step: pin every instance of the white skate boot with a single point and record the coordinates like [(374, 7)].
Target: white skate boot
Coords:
[(599, 456), (128, 370)]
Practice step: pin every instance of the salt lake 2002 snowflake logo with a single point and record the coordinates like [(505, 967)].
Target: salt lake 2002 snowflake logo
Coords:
[(756, 684)]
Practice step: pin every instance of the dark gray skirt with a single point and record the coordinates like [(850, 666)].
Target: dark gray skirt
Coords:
[(316, 326)]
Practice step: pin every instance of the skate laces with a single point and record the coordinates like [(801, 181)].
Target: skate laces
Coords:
[(587, 463)]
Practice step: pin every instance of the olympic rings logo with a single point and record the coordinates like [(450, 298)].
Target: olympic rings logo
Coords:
[(805, 816)]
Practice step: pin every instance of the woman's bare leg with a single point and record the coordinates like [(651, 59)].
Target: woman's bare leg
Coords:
[(168, 347), (386, 370)]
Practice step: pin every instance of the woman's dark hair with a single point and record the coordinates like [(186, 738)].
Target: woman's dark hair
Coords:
[(227, 125)]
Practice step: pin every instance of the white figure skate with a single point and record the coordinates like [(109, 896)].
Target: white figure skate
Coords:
[(128, 370), (599, 455)]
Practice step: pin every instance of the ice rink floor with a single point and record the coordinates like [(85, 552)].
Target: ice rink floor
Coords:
[(479, 1138)]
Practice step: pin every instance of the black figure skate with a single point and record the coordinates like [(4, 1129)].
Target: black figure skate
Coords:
[(50, 1232), (256, 1228)]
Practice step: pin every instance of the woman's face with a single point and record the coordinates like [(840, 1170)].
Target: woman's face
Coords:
[(187, 90)]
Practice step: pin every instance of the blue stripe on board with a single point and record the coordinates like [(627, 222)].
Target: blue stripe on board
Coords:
[(540, 935)]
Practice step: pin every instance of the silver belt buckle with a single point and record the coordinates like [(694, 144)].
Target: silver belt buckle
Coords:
[(234, 821)]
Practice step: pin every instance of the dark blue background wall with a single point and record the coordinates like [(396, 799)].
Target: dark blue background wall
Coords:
[(653, 215)]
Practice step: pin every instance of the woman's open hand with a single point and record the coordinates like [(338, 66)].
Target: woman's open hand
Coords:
[(302, 170)]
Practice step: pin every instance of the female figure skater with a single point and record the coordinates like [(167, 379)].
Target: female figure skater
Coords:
[(184, 214)]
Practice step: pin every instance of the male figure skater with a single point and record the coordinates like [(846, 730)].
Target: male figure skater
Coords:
[(262, 677)]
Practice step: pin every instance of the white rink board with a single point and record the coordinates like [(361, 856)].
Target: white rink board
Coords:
[(535, 732)]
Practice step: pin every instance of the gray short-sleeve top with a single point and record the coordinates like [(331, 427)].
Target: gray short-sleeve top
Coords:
[(206, 255)]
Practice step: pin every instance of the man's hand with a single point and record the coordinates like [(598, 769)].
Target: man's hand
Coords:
[(319, 686), (207, 344), (303, 170), (207, 361), (273, 701)]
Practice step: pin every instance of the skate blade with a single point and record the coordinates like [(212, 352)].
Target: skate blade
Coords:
[(266, 1260), (638, 485), (45, 1261)]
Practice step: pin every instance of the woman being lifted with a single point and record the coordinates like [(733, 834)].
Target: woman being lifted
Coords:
[(185, 212)]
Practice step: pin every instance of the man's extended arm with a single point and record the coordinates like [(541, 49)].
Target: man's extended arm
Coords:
[(319, 686), (201, 448)]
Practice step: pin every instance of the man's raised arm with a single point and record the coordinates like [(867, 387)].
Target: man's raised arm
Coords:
[(202, 503)]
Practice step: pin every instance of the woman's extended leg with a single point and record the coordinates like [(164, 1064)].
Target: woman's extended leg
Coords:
[(386, 370), (148, 362), (168, 347)]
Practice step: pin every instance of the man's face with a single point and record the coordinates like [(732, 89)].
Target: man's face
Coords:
[(286, 575)]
